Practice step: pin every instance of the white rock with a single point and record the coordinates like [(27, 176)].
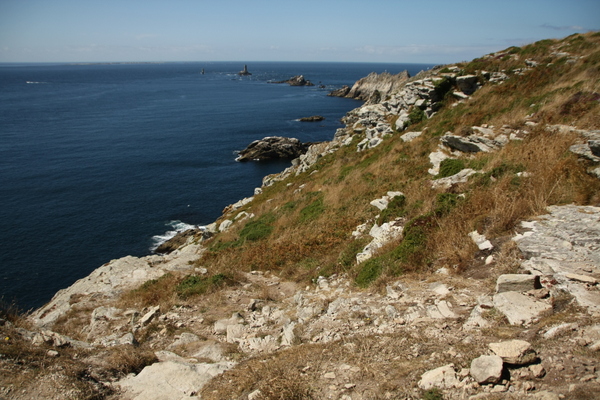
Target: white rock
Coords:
[(481, 241), (442, 377), (410, 136), (516, 352), (225, 225), (460, 177), (150, 315), (487, 369), (171, 380), (518, 308), (436, 159)]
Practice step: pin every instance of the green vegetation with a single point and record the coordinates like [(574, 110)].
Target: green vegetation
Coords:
[(194, 285), (369, 271), (445, 202), (450, 166), (257, 229), (396, 208), (433, 394), (416, 115), (313, 210)]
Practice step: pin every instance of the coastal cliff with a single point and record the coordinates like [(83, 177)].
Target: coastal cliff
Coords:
[(443, 243), (374, 87)]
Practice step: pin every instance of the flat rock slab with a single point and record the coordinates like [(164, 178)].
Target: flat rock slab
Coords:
[(517, 283), (565, 245), (170, 380), (516, 352), (442, 377), (518, 308)]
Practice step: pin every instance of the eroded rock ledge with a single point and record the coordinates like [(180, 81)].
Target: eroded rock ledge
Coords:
[(273, 147)]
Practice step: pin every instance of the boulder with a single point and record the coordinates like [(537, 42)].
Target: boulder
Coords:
[(170, 380), (469, 144), (517, 283), (449, 181), (515, 352), (180, 239), (273, 147), (467, 84), (442, 378), (518, 308), (487, 369)]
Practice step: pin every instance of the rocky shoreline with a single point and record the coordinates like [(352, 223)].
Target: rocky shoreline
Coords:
[(524, 324)]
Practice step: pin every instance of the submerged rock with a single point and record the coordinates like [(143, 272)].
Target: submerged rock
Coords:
[(314, 118)]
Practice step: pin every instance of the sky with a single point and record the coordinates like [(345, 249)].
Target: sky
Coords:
[(394, 31)]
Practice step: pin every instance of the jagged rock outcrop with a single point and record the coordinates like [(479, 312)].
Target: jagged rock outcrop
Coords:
[(341, 92), (181, 238), (297, 80), (374, 87), (273, 147)]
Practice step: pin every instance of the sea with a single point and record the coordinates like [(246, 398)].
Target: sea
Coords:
[(101, 161)]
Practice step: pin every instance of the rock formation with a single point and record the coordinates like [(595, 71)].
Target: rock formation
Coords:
[(273, 147), (314, 118), (374, 87), (297, 80)]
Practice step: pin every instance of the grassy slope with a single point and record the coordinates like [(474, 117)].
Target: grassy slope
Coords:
[(306, 233)]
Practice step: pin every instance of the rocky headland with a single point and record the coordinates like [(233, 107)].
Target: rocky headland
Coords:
[(439, 246), (373, 87)]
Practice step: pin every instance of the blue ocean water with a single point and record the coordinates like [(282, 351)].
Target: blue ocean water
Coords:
[(98, 160)]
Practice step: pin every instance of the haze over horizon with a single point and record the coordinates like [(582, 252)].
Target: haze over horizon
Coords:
[(438, 31)]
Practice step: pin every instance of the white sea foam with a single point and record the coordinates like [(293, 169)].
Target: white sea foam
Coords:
[(176, 227)]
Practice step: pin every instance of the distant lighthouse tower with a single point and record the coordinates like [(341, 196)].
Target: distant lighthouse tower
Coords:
[(245, 71)]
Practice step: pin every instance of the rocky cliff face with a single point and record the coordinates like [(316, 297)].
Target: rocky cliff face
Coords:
[(374, 87), (521, 321)]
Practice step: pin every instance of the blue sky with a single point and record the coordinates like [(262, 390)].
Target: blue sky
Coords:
[(395, 31)]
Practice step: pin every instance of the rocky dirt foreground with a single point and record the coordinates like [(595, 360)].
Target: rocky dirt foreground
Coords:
[(533, 333)]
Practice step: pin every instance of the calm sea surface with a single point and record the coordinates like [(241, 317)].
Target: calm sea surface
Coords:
[(100, 161)]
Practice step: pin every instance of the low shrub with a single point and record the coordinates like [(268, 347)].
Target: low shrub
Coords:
[(369, 271), (445, 202), (194, 285), (257, 229), (450, 166), (416, 115), (396, 208)]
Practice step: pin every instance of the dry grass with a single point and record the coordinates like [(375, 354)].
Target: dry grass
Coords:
[(307, 219), (374, 367)]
